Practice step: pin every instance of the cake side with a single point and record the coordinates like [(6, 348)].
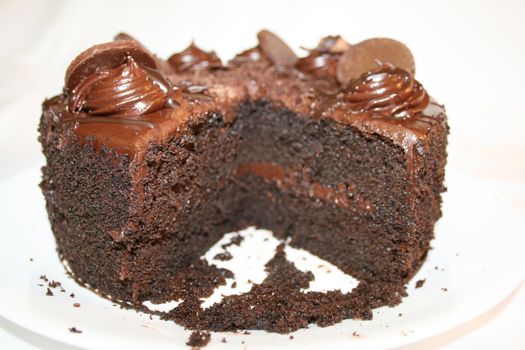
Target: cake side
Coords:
[(88, 194)]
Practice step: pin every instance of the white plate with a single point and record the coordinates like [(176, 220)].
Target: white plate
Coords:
[(477, 253)]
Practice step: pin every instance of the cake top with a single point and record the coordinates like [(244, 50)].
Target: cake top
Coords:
[(121, 97)]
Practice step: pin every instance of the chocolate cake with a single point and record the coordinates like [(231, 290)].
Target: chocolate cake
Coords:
[(150, 162)]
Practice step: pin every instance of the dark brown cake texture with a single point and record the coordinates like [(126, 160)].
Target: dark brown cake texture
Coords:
[(151, 162)]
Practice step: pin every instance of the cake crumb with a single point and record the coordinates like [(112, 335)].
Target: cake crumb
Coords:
[(76, 304), (54, 284), (234, 284), (420, 283), (223, 340), (31, 259), (444, 289), (400, 314), (225, 256), (44, 278), (75, 330), (49, 293), (236, 240), (291, 337), (199, 339), (72, 295), (246, 332), (355, 334)]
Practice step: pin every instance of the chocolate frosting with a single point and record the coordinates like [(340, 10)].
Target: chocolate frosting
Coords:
[(103, 56), (385, 101), (126, 90), (194, 59), (386, 91)]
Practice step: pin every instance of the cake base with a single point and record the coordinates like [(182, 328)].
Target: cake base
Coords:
[(326, 187)]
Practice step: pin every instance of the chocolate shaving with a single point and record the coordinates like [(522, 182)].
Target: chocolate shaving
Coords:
[(363, 57), (277, 51), (104, 56)]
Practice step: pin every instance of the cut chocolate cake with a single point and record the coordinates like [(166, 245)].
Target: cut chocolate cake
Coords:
[(151, 162)]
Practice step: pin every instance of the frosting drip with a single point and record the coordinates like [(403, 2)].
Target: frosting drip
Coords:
[(126, 90), (387, 91)]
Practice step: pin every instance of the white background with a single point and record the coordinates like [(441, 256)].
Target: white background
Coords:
[(470, 55)]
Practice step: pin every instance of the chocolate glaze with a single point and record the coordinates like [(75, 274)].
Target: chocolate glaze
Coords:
[(222, 90)]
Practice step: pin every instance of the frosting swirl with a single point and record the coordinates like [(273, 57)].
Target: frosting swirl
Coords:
[(126, 90), (387, 91), (193, 59)]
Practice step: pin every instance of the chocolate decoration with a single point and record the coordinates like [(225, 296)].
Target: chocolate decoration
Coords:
[(105, 56), (193, 59), (225, 89), (276, 50), (162, 65), (322, 61), (124, 36), (362, 58), (318, 64), (333, 44), (251, 55), (126, 90), (387, 91)]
